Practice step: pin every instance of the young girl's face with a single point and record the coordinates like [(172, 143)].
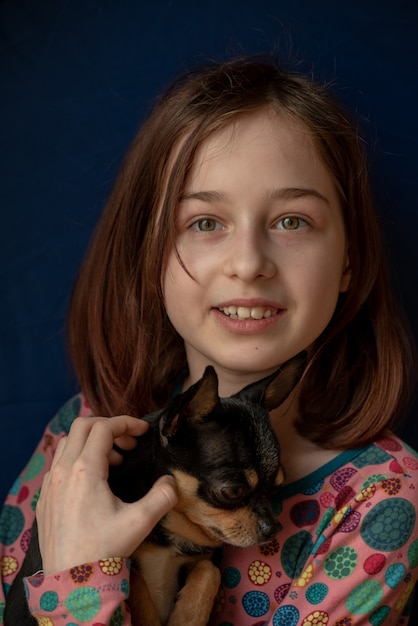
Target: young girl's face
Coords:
[(261, 234)]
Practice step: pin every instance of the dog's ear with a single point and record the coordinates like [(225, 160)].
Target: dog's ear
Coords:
[(194, 404), (272, 391)]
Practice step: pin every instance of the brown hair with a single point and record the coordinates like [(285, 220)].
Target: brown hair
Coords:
[(125, 351)]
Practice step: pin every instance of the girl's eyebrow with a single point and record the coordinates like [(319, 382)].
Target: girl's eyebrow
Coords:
[(289, 193), (285, 193), (204, 196)]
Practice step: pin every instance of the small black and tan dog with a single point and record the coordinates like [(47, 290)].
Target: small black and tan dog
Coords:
[(225, 460)]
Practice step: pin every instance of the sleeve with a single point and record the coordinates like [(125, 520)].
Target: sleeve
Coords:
[(93, 593), (100, 588)]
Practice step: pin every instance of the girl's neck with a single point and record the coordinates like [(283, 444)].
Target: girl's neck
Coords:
[(300, 456)]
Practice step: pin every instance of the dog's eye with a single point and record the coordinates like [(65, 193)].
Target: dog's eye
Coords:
[(234, 492)]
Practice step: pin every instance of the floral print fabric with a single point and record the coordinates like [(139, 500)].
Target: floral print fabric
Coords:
[(347, 554)]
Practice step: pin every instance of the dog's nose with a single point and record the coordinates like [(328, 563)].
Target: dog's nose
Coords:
[(267, 529)]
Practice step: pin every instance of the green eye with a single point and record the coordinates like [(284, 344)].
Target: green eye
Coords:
[(207, 224), (291, 222)]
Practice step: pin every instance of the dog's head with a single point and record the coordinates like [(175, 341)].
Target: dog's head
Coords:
[(226, 459)]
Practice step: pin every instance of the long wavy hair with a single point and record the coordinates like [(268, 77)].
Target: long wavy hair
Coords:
[(125, 351)]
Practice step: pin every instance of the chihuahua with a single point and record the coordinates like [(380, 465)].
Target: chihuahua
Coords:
[(225, 459)]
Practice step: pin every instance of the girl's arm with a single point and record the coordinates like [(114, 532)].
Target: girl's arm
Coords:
[(84, 531)]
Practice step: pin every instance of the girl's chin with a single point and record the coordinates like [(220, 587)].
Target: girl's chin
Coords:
[(254, 360), (250, 368), (244, 363), (258, 360)]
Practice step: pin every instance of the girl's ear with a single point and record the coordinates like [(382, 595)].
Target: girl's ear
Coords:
[(346, 277)]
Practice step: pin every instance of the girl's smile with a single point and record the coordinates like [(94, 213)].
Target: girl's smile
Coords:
[(248, 316), (262, 243)]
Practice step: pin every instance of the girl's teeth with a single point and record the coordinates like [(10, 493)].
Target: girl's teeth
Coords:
[(245, 313)]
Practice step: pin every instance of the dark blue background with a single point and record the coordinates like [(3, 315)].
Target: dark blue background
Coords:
[(77, 78)]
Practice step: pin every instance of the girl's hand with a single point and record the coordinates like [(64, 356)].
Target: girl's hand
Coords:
[(79, 518)]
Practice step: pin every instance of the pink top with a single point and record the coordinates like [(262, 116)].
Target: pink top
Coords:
[(347, 554)]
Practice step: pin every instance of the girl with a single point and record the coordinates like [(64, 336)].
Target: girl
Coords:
[(240, 231)]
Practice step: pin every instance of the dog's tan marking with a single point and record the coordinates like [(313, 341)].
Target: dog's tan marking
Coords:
[(252, 477), (197, 521), (280, 477), (179, 523), (187, 485)]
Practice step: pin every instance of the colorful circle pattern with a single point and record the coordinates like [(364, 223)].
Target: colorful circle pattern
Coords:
[(316, 593), (389, 524), (340, 563), (295, 552), (231, 577), (364, 598), (259, 572), (287, 615), (305, 513), (83, 603), (49, 601), (12, 522), (256, 603)]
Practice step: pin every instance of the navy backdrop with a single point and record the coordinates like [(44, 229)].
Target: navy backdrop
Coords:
[(77, 78)]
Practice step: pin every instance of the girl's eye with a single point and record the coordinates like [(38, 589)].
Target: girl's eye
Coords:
[(291, 222), (206, 225)]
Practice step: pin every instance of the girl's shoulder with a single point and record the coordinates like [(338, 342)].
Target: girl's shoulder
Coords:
[(386, 460), (391, 451), (77, 406)]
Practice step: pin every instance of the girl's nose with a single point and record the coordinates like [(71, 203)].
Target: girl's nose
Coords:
[(249, 256)]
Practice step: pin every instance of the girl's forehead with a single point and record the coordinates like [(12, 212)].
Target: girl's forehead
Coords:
[(256, 129), (267, 136)]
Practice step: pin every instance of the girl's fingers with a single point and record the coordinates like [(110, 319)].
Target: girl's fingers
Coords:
[(96, 436), (126, 442), (59, 451), (100, 441), (116, 454)]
